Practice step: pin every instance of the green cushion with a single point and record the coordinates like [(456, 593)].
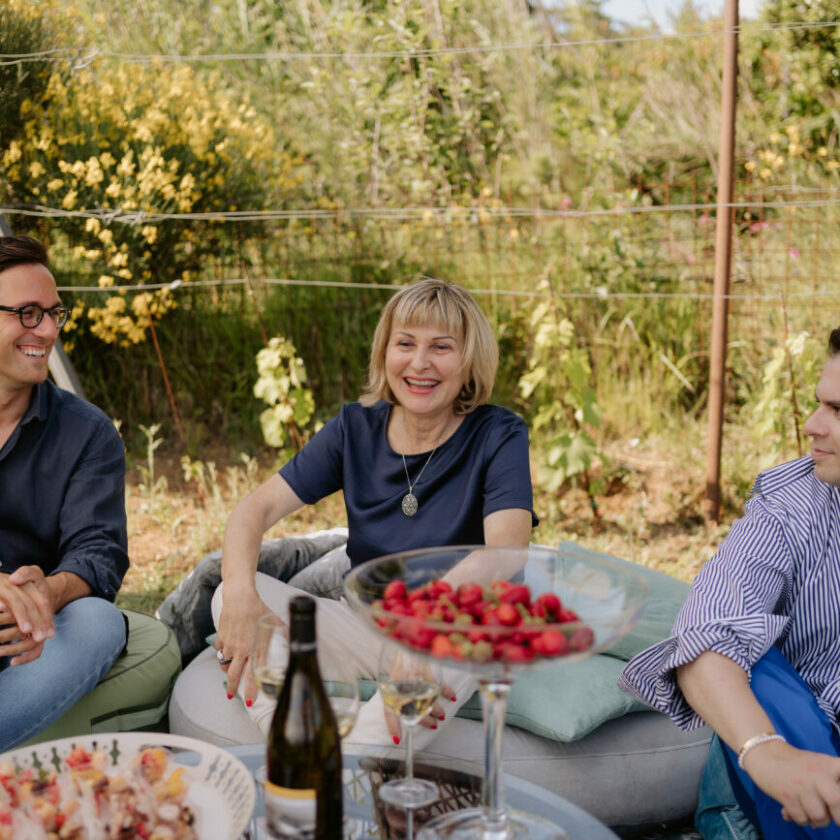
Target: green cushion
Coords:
[(134, 694), (564, 702), (666, 597), (567, 702)]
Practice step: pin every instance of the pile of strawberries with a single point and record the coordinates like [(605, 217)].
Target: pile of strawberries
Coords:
[(498, 622)]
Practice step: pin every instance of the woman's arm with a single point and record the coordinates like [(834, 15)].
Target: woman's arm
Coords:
[(241, 605), (503, 528), (804, 783)]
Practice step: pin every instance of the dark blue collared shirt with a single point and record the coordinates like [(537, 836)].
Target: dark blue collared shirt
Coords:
[(62, 492)]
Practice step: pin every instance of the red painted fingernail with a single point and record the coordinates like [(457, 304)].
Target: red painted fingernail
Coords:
[(249, 703), (230, 697), (453, 698), (433, 726), (396, 739)]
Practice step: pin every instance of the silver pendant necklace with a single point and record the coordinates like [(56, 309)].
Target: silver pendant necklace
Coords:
[(409, 501)]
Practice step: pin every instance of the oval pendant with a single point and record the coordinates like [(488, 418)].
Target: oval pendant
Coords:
[(409, 504)]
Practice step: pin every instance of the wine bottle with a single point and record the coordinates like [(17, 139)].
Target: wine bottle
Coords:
[(303, 790)]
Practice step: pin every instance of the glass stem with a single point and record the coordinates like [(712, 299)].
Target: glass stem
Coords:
[(494, 695), (409, 751)]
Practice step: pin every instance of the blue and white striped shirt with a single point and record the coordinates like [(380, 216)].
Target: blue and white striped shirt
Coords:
[(774, 580)]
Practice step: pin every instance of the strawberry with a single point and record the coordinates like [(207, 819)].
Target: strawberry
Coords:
[(508, 614), (567, 615), (468, 594), (517, 593), (582, 639), (550, 643), (441, 646), (518, 653), (396, 590), (547, 605), (498, 587), (439, 587)]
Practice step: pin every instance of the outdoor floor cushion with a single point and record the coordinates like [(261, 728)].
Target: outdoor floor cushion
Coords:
[(134, 694), (570, 728), (634, 771)]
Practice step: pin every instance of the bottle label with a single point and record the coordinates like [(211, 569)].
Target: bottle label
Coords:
[(290, 812)]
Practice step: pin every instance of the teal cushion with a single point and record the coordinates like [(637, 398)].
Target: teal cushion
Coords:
[(567, 702), (134, 694), (564, 702), (666, 597)]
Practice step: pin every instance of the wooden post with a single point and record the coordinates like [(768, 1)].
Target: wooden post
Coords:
[(723, 257)]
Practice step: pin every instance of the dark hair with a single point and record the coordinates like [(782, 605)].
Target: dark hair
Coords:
[(21, 250), (834, 342)]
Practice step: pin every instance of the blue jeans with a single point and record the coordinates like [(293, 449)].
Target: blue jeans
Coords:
[(794, 713), (89, 635)]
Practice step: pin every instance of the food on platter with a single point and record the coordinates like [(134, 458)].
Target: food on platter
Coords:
[(87, 799), (496, 622)]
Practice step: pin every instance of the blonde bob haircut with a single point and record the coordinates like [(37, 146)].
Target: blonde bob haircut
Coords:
[(430, 302)]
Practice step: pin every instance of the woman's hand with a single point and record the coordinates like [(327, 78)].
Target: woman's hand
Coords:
[(235, 639), (806, 784)]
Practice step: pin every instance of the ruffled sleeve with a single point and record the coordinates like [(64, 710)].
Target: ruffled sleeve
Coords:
[(737, 607)]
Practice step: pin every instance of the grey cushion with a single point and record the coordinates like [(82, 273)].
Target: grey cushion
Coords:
[(635, 770)]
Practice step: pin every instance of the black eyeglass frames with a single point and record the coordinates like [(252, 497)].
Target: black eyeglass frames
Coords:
[(31, 315)]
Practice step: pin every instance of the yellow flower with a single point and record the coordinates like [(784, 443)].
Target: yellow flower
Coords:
[(766, 173), (69, 200), (55, 184), (93, 226), (149, 232), (105, 281), (106, 236), (13, 153), (36, 169), (750, 166)]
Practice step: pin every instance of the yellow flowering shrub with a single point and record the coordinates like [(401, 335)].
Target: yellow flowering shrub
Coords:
[(122, 148)]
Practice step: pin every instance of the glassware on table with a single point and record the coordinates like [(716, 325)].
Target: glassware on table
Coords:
[(605, 599), (270, 655), (410, 687), (342, 684)]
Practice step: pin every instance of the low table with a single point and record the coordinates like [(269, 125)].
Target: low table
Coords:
[(365, 769)]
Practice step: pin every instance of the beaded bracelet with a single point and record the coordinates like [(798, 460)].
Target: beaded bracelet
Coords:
[(754, 742)]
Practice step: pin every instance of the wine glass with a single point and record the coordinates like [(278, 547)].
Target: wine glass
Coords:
[(342, 686), (589, 603), (410, 687), (270, 655)]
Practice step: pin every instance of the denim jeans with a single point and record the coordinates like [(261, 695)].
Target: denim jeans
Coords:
[(89, 636), (187, 609), (794, 713)]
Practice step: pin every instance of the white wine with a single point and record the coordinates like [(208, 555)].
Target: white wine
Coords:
[(412, 698), (270, 679), (345, 721), (303, 789)]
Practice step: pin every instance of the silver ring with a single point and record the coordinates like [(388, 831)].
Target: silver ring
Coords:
[(221, 657)]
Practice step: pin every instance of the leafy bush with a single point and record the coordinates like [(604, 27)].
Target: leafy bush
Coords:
[(130, 146)]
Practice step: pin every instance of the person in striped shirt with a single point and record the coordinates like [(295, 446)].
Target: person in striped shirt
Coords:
[(755, 649)]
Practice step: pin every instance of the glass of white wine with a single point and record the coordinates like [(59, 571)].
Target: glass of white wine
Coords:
[(410, 687), (270, 656), (342, 685)]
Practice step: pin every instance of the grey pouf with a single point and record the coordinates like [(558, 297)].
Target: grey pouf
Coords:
[(636, 770)]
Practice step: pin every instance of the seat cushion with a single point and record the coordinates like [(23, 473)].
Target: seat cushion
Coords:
[(635, 770), (134, 694)]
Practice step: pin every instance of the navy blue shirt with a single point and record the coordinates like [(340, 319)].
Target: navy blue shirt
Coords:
[(482, 468), (62, 492)]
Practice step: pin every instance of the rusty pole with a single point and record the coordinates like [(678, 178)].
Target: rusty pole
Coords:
[(723, 257)]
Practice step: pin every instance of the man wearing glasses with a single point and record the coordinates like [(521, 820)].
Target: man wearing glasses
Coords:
[(63, 543)]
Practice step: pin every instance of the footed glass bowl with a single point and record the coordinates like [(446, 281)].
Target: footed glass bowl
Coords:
[(495, 612)]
